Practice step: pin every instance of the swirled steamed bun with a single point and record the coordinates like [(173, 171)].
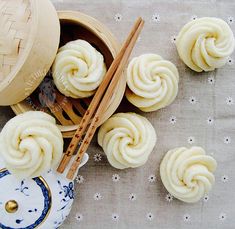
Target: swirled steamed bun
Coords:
[(152, 82), (78, 69), (187, 174), (205, 43), (127, 139), (31, 144)]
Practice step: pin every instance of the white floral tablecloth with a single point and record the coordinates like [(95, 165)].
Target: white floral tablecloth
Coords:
[(203, 114)]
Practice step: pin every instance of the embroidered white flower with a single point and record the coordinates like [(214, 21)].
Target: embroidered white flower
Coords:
[(156, 17), (192, 100), (206, 198), (169, 197), (211, 80), (79, 217), (194, 17), (224, 178), (118, 17), (97, 157), (149, 216), (115, 177), (227, 140), (152, 178), (132, 197), (229, 101), (210, 120), (191, 140), (115, 217), (230, 61), (173, 120), (80, 179), (186, 217), (230, 20), (222, 216), (173, 39), (97, 196)]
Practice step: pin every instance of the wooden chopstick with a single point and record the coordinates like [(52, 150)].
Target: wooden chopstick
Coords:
[(95, 102), (106, 99)]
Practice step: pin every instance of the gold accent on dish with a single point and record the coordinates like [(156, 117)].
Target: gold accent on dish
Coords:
[(11, 206), (50, 197)]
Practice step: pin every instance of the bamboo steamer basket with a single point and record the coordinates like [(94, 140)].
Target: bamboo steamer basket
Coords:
[(67, 111), (29, 39)]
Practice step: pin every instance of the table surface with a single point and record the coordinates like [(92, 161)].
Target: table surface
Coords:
[(135, 198)]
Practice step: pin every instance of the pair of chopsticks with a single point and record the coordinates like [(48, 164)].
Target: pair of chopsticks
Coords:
[(99, 103)]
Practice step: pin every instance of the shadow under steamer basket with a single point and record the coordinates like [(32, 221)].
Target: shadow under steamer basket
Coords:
[(68, 111)]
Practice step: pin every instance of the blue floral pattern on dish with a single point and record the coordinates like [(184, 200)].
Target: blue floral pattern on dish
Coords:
[(68, 195), (22, 188)]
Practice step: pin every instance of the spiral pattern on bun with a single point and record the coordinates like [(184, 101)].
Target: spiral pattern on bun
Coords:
[(127, 140), (31, 144), (152, 82), (205, 43), (187, 174), (78, 69)]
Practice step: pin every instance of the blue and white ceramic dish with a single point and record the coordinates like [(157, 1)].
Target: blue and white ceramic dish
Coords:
[(42, 202)]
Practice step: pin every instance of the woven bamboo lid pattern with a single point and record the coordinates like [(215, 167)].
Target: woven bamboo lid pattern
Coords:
[(15, 23), (27, 29)]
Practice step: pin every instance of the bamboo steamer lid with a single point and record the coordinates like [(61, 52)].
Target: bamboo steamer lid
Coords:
[(29, 40)]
